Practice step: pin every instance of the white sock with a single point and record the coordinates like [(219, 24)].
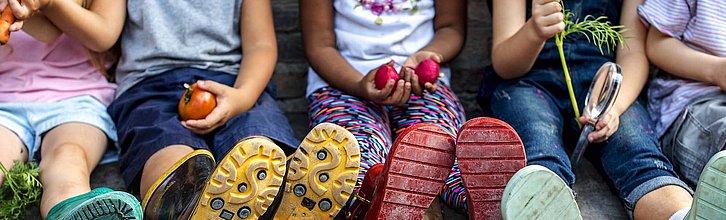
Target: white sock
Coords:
[(680, 214)]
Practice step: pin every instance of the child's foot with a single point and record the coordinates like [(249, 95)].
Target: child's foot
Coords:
[(322, 174), (245, 182), (489, 152), (535, 192), (100, 203), (175, 190), (709, 202), (417, 165)]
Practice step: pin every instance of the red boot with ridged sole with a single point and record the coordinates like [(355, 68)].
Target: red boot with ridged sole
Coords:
[(417, 165), (489, 152)]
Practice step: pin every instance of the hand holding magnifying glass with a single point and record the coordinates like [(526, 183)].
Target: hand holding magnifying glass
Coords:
[(599, 100)]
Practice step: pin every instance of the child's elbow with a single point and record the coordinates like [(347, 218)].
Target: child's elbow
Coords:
[(505, 71)]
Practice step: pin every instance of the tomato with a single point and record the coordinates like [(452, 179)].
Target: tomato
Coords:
[(196, 103)]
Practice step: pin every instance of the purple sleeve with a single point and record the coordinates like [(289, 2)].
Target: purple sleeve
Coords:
[(670, 17)]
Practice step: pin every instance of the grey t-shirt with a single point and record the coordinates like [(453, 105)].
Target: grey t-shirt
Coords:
[(161, 35)]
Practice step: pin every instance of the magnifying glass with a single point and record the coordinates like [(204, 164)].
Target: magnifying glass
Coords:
[(599, 100)]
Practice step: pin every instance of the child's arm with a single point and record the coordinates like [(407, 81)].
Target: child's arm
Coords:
[(259, 49), (676, 58), (450, 32), (316, 19), (634, 63), (516, 42), (97, 28)]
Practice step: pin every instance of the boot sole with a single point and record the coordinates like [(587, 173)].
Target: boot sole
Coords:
[(322, 174), (245, 182), (537, 193), (416, 167), (489, 153), (112, 205), (710, 198)]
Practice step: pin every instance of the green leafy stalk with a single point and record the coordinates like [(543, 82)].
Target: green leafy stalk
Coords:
[(597, 31), (20, 190)]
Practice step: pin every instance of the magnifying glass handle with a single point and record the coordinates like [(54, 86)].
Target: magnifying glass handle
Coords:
[(581, 145)]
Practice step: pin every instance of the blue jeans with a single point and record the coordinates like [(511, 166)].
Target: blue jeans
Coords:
[(538, 107)]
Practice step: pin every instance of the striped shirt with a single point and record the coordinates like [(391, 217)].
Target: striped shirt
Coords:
[(699, 24)]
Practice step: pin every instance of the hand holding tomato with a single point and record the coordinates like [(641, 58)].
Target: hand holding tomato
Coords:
[(230, 102), (196, 103)]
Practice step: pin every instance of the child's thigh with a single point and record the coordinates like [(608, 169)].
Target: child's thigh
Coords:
[(15, 135), (696, 135), (442, 108), (366, 120), (632, 156), (534, 113), (264, 119)]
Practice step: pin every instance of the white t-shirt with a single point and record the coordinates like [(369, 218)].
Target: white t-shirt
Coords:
[(405, 26)]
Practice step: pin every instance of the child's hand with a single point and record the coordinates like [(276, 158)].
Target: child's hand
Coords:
[(367, 88), (16, 8), (547, 18), (605, 127), (27, 8), (228, 106), (410, 76)]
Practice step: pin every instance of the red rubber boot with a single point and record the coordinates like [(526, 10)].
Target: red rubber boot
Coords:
[(417, 165), (489, 152)]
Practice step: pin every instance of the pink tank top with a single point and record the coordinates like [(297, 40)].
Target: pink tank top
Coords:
[(34, 71)]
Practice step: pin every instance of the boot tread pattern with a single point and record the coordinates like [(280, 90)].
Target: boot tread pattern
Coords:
[(416, 169), (104, 208), (322, 174), (245, 182), (489, 153)]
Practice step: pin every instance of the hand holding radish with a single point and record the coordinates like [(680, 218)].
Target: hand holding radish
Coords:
[(547, 18), (422, 70), (395, 91)]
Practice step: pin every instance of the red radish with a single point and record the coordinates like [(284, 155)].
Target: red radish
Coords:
[(386, 72), (427, 72)]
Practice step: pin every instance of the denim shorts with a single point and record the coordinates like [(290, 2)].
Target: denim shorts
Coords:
[(698, 133), (147, 119), (30, 121)]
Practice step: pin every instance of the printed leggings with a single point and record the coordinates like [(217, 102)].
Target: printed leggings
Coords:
[(372, 123)]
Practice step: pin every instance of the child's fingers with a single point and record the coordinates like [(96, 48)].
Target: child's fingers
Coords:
[(415, 86), (21, 11), (16, 26), (215, 88), (431, 87), (406, 94)]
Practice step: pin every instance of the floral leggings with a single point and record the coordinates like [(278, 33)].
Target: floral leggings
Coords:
[(372, 123)]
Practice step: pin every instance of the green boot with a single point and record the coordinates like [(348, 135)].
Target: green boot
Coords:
[(709, 202), (100, 203), (535, 192)]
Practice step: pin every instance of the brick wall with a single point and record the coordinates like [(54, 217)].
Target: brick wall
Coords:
[(290, 74)]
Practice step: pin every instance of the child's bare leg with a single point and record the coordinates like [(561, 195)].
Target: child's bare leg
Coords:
[(12, 149), (159, 163), (69, 153), (662, 203)]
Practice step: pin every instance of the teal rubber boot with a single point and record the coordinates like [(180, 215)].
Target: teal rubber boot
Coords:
[(99, 204)]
